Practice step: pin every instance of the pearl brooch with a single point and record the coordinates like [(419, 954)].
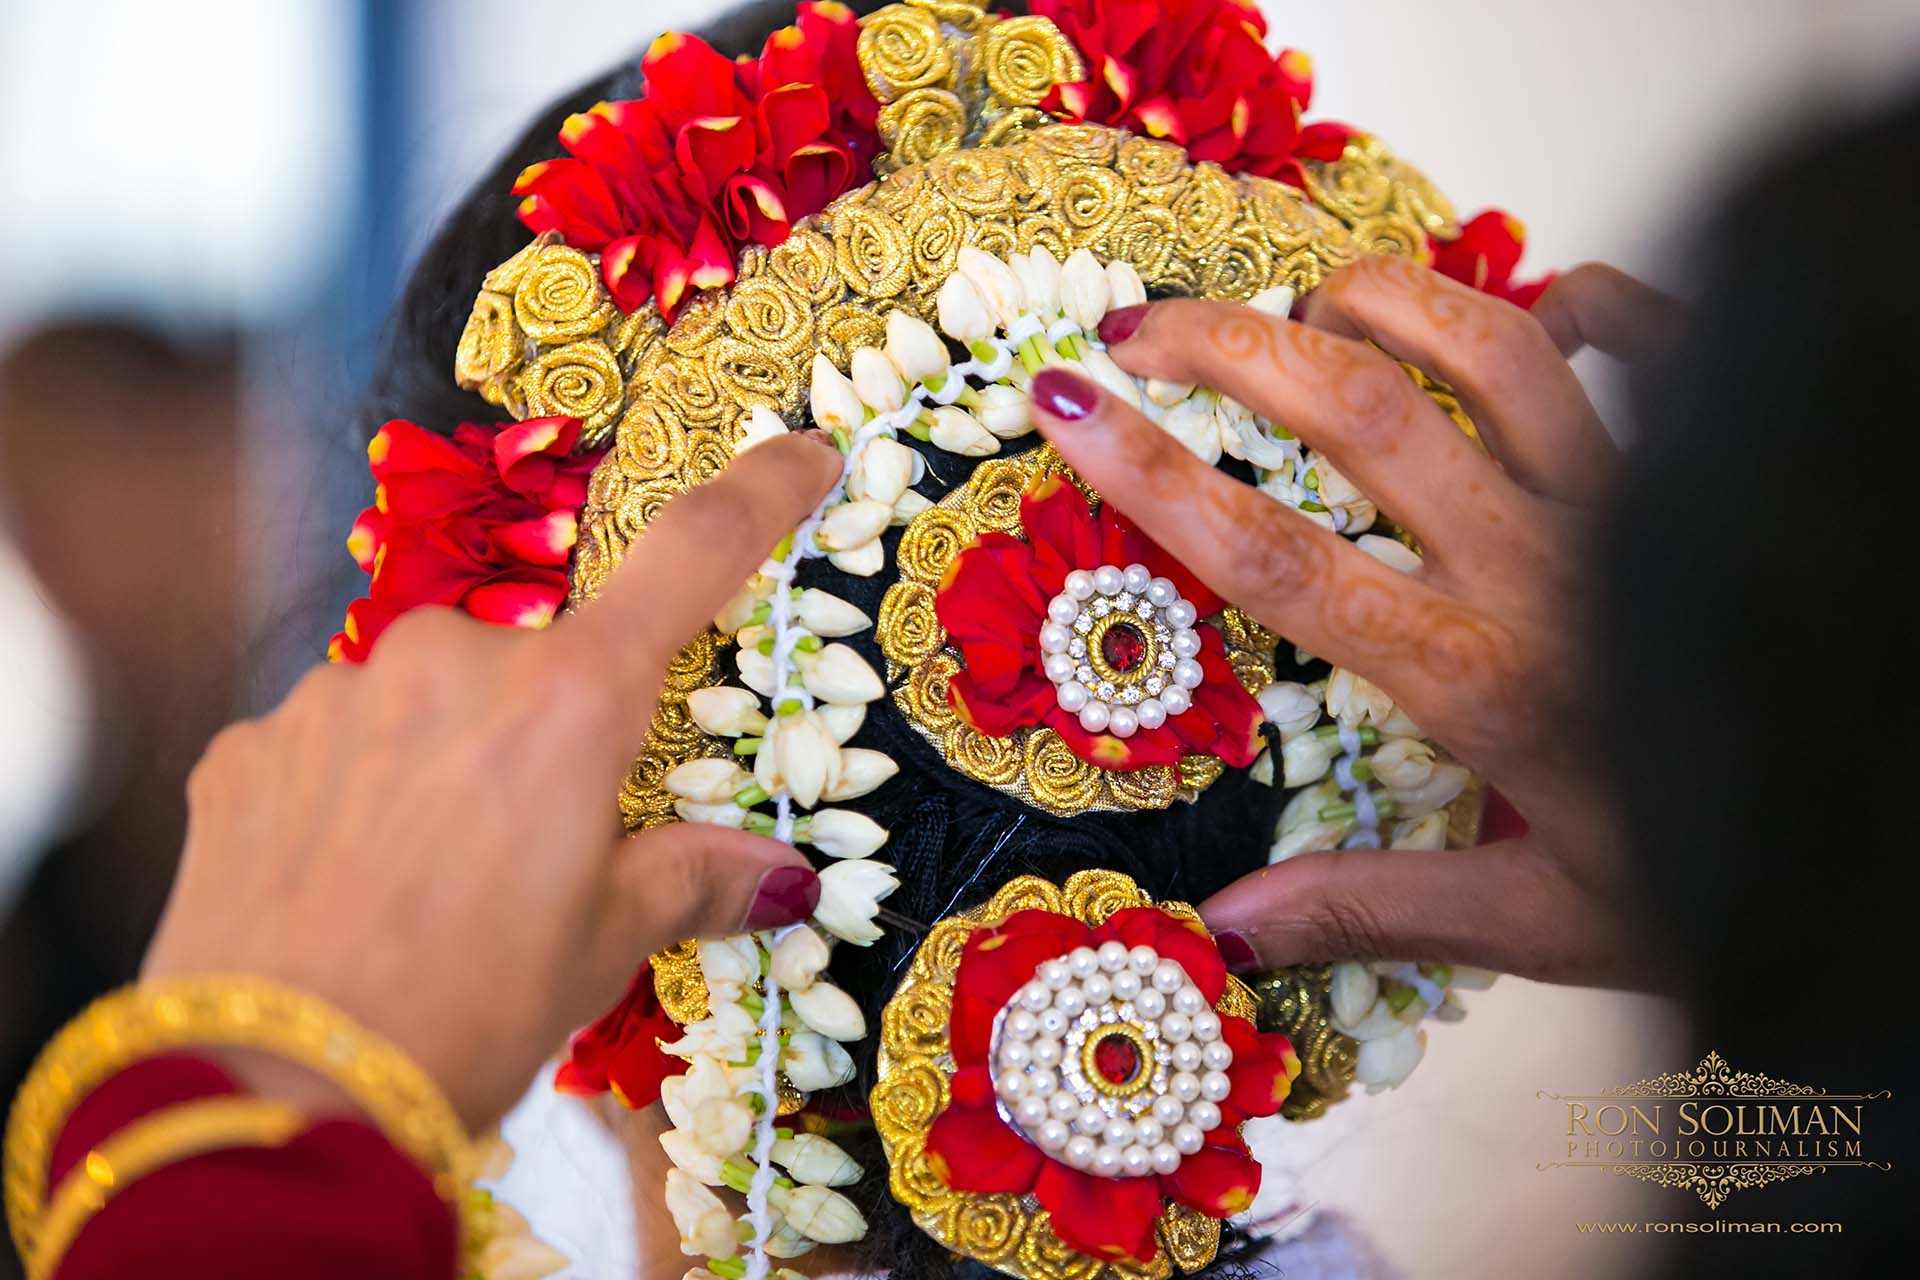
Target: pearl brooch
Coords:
[(1120, 649)]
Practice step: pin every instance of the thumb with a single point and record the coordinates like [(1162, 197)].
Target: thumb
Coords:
[(1501, 906), (694, 880)]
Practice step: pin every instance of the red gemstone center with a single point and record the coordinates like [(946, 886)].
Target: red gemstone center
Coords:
[(1117, 1059), (1123, 647)]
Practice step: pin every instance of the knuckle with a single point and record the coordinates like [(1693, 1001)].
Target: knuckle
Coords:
[(1515, 349), (226, 753), (1376, 399)]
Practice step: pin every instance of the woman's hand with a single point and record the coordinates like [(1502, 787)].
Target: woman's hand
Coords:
[(430, 842), (1481, 645)]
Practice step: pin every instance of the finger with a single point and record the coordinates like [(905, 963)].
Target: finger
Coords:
[(1304, 582), (693, 880), (691, 558), (1346, 400), (1513, 381), (1598, 306), (1504, 906)]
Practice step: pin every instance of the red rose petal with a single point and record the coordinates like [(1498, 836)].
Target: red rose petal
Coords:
[(1215, 1181), (972, 1150), (1107, 1218)]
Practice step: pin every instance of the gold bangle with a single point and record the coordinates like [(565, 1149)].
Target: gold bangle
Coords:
[(148, 1144), (174, 1014)]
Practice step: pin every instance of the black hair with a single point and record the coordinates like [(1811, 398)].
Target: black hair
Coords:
[(954, 841), (1758, 632)]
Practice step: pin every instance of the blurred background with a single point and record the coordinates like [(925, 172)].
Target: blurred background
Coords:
[(210, 204)]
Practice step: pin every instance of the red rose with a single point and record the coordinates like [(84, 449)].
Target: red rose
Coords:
[(484, 521), (717, 155), (974, 1150), (1485, 255), (994, 601), (621, 1050)]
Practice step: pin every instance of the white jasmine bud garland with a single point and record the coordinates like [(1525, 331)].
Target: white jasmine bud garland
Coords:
[(740, 607), (884, 472), (735, 961), (1306, 758), (1353, 699), (838, 674), (1084, 291), (842, 833), (707, 781), (797, 756), (723, 1125), (1125, 285), (995, 283), (1290, 707), (963, 312), (1389, 551), (819, 1213), (687, 1154), (817, 1161), (727, 712), (1004, 411), (863, 561), (705, 1078), (1261, 770), (813, 1062), (1428, 832), (1386, 1063), (826, 614), (756, 670), (785, 1242), (834, 403), (1101, 368), (1277, 301), (862, 770), (705, 1226), (1192, 423), (829, 1010), (910, 505), (850, 895), (876, 381), (842, 721), (714, 815), (797, 958), (1167, 394), (915, 349), (1302, 830), (1352, 992), (723, 1034), (852, 524), (1038, 272), (957, 431), (1441, 788), (1403, 762), (760, 425)]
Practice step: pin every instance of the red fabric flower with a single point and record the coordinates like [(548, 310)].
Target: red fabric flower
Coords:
[(1196, 72), (993, 603), (484, 521), (717, 155), (1485, 255), (621, 1050), (974, 1150)]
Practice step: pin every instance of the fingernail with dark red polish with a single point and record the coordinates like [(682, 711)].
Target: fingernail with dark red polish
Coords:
[(1118, 326), (1238, 953), (785, 895), (1066, 396)]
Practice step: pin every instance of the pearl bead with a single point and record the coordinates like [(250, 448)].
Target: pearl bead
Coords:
[(1055, 974), (1186, 673), (1079, 584), (1030, 1112), (1096, 989), (1063, 1105), (1143, 960), (1216, 1056), (1149, 1003), (1126, 985), (1021, 1025), (1185, 1086), (1188, 1139), (1011, 1086), (1069, 1001), (1113, 956), (1035, 996), (1186, 1056), (1093, 716), (1062, 610), (1118, 1132), (1015, 1053), (1091, 1121), (1047, 1053), (1052, 1021), (1186, 644), (1205, 1115), (1166, 1158), (1072, 696), (1106, 1162), (1176, 1027), (1108, 580), (1136, 1161), (1168, 977), (1079, 1151), (1214, 1086), (1059, 668), (1137, 578), (1188, 1000), (1176, 700), (1084, 961), (1161, 592), (1169, 1110), (1147, 1131), (1042, 1085), (1054, 638), (1053, 1135), (1206, 1026), (1121, 722), (1151, 713), (1180, 613)]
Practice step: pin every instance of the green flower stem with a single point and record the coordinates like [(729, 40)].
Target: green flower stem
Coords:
[(736, 1173), (791, 707), (749, 796), (744, 1229), (1030, 355), (809, 644), (754, 1003), (762, 614), (919, 430), (1399, 996), (983, 351), (783, 548), (1440, 975), (843, 439), (760, 824), (1369, 736), (728, 1268), (1346, 812), (747, 746)]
